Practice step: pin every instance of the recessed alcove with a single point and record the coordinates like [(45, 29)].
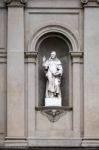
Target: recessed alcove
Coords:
[(54, 42)]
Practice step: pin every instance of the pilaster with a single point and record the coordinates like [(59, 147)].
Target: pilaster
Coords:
[(91, 71), (15, 74), (77, 61)]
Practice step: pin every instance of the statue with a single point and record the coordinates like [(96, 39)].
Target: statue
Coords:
[(53, 71)]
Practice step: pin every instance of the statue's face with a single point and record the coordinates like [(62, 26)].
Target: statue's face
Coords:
[(53, 55)]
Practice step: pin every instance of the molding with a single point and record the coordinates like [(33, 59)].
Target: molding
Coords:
[(3, 56), (30, 54), (15, 3), (77, 57), (90, 143), (56, 27), (15, 138), (15, 142), (76, 54), (56, 144)]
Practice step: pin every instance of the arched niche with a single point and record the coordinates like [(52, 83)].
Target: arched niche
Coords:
[(54, 41)]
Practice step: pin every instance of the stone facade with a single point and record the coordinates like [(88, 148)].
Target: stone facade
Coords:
[(29, 29)]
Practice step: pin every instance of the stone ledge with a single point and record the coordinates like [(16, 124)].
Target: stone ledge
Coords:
[(49, 148), (53, 107)]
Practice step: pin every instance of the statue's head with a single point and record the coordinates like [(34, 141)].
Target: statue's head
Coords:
[(53, 54)]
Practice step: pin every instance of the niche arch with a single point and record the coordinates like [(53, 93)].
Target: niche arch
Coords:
[(43, 41), (65, 30)]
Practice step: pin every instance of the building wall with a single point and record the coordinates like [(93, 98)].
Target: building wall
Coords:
[(24, 121)]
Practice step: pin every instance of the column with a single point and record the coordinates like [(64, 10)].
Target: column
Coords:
[(77, 91)]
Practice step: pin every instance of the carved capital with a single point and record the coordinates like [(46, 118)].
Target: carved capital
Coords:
[(15, 2), (84, 2), (77, 57), (92, 3)]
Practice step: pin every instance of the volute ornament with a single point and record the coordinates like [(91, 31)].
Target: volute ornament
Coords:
[(84, 1), (23, 1), (7, 1), (98, 1), (15, 1)]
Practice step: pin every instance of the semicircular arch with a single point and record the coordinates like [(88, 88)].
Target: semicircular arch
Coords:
[(64, 30)]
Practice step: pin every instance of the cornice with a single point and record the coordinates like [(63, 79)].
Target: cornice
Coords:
[(15, 3)]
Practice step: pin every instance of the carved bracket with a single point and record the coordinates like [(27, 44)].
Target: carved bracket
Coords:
[(53, 113)]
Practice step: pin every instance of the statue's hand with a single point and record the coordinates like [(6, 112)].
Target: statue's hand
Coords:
[(44, 59)]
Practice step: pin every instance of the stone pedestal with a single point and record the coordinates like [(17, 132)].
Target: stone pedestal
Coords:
[(53, 102)]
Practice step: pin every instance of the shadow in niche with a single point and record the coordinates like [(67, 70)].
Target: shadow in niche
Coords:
[(54, 42)]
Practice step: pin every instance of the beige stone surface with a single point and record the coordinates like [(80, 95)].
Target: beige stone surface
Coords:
[(15, 73), (3, 98), (20, 30), (91, 73), (69, 125), (3, 72), (3, 30)]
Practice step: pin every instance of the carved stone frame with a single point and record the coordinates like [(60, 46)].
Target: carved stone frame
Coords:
[(76, 61), (73, 38)]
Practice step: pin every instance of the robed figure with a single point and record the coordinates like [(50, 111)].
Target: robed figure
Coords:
[(53, 72)]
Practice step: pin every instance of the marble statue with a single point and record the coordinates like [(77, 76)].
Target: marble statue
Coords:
[(53, 71)]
